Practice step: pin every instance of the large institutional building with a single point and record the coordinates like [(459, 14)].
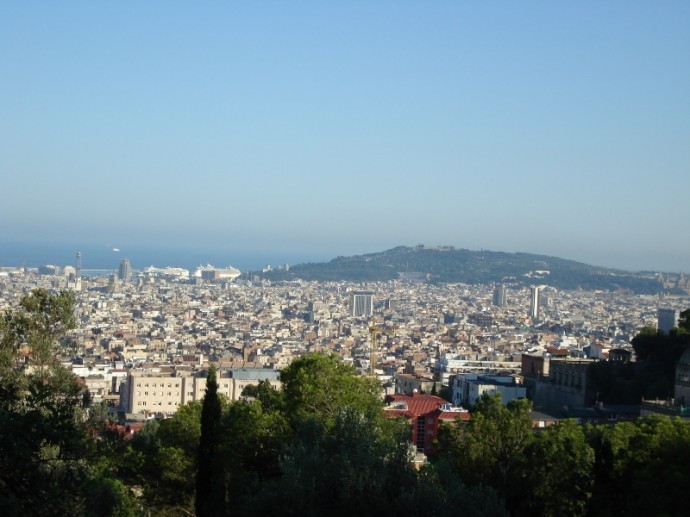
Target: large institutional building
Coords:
[(165, 390)]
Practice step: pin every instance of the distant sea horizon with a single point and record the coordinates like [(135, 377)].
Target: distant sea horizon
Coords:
[(107, 258)]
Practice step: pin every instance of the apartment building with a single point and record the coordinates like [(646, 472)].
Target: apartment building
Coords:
[(166, 389)]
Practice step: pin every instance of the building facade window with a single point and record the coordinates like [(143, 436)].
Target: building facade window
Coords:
[(421, 421)]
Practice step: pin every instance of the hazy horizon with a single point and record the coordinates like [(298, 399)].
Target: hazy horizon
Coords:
[(315, 129), (102, 256)]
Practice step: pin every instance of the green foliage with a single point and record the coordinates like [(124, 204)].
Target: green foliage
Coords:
[(641, 467), (162, 457), (490, 448), (559, 472), (684, 321), (110, 497), (446, 393), (624, 383), (651, 376), (183, 431), (269, 397), (350, 468), (319, 446), (439, 492), (50, 463), (252, 443), (487, 448), (470, 267), (346, 460), (320, 386), (210, 488), (39, 321), (657, 353)]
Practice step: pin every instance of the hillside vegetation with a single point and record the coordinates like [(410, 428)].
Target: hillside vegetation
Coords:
[(448, 264)]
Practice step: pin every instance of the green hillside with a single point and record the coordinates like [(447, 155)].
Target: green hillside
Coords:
[(448, 264)]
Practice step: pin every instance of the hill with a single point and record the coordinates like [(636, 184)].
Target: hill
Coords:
[(451, 265)]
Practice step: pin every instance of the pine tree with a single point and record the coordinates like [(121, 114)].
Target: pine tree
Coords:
[(210, 486)]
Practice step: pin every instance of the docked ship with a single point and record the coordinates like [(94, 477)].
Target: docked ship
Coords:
[(208, 272), (167, 272)]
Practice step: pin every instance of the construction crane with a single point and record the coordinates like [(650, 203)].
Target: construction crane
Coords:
[(374, 331)]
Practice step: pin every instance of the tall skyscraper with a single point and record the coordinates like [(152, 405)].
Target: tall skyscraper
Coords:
[(361, 304), (125, 271), (500, 295), (534, 303), (666, 319)]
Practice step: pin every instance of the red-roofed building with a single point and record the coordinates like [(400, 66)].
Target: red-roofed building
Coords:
[(425, 414)]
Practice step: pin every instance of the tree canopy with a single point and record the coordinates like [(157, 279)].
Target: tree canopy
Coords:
[(51, 465), (320, 386)]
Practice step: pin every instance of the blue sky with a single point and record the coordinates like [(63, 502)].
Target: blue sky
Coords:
[(336, 128)]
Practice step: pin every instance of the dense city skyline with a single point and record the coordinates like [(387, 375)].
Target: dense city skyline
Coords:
[(319, 130)]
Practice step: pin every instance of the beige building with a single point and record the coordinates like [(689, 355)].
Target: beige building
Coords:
[(406, 383), (164, 391)]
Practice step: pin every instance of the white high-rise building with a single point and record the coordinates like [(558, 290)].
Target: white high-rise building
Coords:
[(534, 303), (361, 304)]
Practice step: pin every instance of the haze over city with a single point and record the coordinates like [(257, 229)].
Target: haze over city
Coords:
[(317, 130)]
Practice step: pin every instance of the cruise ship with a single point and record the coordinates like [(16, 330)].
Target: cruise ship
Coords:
[(208, 272), (170, 272)]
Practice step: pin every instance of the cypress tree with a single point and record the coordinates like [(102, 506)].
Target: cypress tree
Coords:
[(210, 486)]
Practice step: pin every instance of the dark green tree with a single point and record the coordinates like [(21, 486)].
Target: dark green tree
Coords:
[(253, 440), (210, 482), (270, 398), (320, 386), (161, 456), (50, 463), (39, 322), (446, 393), (559, 472), (439, 492), (641, 467), (657, 354), (353, 467), (490, 448), (684, 321)]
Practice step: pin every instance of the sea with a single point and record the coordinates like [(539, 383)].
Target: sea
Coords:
[(104, 259)]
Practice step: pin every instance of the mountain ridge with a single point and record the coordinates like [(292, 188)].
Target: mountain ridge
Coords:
[(447, 264)]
